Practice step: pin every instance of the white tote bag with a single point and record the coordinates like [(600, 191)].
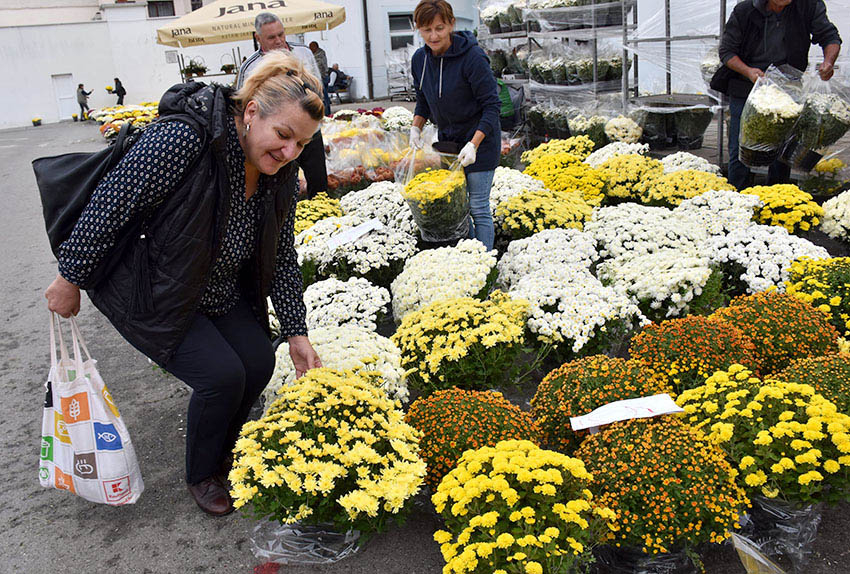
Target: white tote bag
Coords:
[(85, 446)]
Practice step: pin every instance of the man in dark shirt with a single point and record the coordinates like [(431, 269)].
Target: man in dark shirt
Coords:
[(760, 33)]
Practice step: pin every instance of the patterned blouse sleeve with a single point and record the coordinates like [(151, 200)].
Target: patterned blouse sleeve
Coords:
[(287, 291), (144, 177)]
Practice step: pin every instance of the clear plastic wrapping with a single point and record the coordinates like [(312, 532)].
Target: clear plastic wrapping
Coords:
[(437, 198), (824, 120), (611, 560), (769, 115), (559, 15), (674, 120), (561, 64), (782, 531), (277, 543)]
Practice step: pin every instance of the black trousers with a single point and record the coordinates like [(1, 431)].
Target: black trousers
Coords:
[(312, 161), (227, 361)]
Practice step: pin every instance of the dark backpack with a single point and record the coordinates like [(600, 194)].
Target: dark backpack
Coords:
[(66, 183)]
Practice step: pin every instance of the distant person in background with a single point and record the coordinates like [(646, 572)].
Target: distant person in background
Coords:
[(271, 35), (337, 79), (119, 91), (322, 62), (83, 100)]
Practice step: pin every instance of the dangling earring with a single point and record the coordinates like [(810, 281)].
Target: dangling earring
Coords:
[(246, 130)]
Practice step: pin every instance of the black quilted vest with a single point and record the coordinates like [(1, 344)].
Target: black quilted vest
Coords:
[(154, 289)]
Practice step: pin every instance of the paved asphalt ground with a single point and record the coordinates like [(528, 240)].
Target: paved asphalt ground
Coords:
[(47, 530)]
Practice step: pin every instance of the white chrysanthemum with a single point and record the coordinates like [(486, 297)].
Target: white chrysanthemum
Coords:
[(377, 249), (343, 348), (568, 304), (721, 211), (666, 279), (623, 129), (551, 248), (770, 100), (682, 160), (633, 229), (444, 273), (765, 252), (509, 182), (582, 124), (382, 200), (836, 216), (397, 118), (605, 153), (334, 303)]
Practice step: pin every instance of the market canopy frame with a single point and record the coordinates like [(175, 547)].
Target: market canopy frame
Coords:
[(233, 20)]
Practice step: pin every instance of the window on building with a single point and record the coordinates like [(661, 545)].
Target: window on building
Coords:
[(401, 30), (160, 8), (195, 4)]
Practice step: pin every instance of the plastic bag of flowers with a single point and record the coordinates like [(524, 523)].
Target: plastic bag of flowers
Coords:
[(791, 445), (782, 328), (565, 172), (824, 120), (530, 212), (580, 386), (686, 351), (331, 452), (769, 115), (439, 202), (672, 488), (463, 342), (378, 256), (757, 258), (514, 507), (454, 420), (571, 313), (345, 348), (823, 283), (466, 270), (828, 178)]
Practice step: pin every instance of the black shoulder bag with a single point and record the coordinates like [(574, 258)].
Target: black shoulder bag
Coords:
[(66, 183)]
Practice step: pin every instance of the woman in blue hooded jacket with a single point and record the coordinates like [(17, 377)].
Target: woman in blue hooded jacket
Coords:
[(456, 89)]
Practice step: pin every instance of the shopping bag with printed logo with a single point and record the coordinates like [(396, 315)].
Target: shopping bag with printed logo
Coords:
[(85, 445)]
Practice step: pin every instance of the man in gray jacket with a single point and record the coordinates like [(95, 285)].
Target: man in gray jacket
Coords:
[(271, 35)]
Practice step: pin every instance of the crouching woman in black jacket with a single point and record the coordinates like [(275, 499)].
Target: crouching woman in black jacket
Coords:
[(195, 227)]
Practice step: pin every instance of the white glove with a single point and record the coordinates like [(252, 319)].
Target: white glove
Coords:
[(416, 138), (467, 154)]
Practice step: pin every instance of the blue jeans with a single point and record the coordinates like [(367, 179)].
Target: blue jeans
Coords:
[(739, 174), (481, 220)]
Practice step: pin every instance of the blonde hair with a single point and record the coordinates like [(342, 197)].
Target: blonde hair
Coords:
[(278, 79)]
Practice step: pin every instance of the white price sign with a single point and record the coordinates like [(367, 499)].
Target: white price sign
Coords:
[(641, 408), (353, 234)]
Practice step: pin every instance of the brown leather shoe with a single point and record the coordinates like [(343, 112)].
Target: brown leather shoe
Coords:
[(211, 497)]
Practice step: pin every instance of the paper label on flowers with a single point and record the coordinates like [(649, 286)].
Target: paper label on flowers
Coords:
[(353, 234), (641, 408)]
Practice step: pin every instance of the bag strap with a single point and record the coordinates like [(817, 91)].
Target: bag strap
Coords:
[(78, 337), (56, 328)]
